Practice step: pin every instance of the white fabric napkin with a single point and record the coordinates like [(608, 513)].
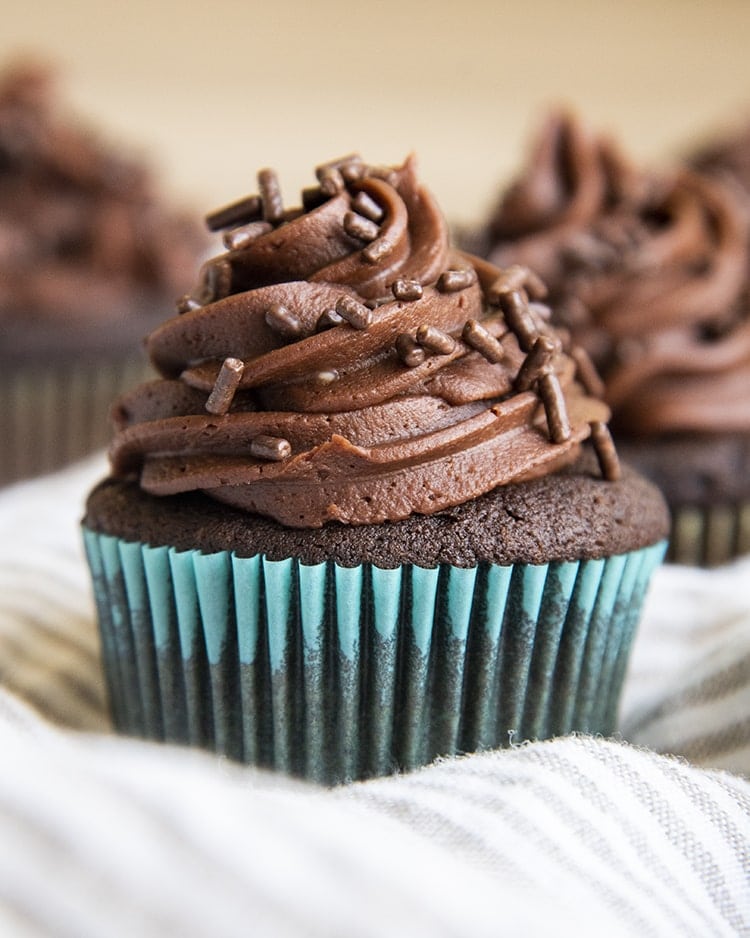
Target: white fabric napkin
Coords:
[(578, 836)]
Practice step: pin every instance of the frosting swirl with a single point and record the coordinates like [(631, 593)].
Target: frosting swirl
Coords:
[(341, 362), (648, 271), (727, 156)]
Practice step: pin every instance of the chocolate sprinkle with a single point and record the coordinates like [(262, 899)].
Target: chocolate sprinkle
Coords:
[(358, 227), (606, 453), (408, 351), (554, 407), (451, 281), (237, 213), (385, 173), (348, 168), (227, 381), (352, 171), (475, 335), (516, 278), (407, 290), (540, 310), (535, 364), (187, 303), (519, 319), (355, 313), (435, 340), (217, 281), (281, 320), (272, 448), (367, 206), (312, 197), (238, 238), (535, 286), (270, 194), (586, 372), (328, 319), (377, 250), (331, 181)]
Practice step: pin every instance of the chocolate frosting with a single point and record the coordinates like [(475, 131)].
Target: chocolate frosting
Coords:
[(649, 272), (727, 156), (341, 362), (83, 239)]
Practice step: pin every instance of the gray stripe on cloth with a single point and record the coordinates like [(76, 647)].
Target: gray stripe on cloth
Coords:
[(48, 841), (489, 799), (407, 808), (70, 628), (61, 689), (235, 858), (727, 739), (680, 901), (737, 841), (706, 866), (713, 686)]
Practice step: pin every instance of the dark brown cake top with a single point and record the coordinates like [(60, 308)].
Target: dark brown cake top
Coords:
[(341, 362), (570, 515), (648, 270)]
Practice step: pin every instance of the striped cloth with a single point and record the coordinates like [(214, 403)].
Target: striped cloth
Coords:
[(577, 836)]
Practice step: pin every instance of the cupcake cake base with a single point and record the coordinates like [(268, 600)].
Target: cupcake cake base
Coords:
[(348, 652)]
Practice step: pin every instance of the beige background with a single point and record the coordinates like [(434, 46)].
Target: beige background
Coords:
[(215, 91)]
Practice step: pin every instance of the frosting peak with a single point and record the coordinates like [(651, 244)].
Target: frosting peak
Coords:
[(341, 362)]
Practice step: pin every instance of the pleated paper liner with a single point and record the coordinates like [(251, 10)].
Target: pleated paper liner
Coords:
[(336, 673), (56, 413), (710, 536)]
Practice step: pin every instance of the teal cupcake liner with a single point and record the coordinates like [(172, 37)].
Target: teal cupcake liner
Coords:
[(709, 536), (335, 673), (56, 413)]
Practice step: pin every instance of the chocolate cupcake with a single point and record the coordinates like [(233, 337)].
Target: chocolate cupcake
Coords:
[(727, 156), (88, 262), (649, 273), (370, 513)]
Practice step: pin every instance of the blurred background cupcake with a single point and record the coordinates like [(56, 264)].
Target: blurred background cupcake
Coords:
[(90, 259), (726, 154), (648, 270)]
